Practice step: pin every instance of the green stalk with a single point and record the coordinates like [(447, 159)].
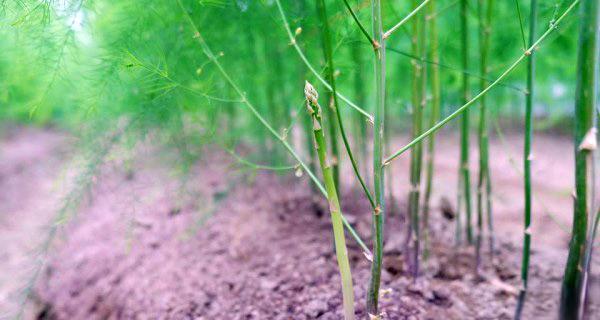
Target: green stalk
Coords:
[(378, 168), (574, 280), (464, 192), (434, 116), (334, 206), (527, 157), (484, 181), (416, 161)]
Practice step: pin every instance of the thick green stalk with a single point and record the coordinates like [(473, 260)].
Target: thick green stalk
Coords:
[(334, 205), (484, 196), (416, 159), (527, 157), (378, 168), (434, 55), (464, 192), (572, 293)]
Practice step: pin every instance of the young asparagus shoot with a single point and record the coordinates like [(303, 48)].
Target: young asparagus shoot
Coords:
[(434, 116), (527, 157), (484, 197), (314, 109), (378, 167), (464, 176), (586, 124), (416, 159)]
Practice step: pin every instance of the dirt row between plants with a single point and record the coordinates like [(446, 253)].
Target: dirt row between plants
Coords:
[(226, 244)]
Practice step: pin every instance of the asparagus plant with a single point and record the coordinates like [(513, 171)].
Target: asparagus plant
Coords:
[(378, 167), (416, 160), (574, 280), (484, 186), (527, 157), (464, 181), (434, 115), (314, 109)]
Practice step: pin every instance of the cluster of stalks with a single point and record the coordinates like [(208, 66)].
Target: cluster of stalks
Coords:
[(324, 127)]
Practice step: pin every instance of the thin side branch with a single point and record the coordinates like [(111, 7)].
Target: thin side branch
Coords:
[(403, 21)]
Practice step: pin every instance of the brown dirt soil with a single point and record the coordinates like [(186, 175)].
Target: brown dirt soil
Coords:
[(219, 243)]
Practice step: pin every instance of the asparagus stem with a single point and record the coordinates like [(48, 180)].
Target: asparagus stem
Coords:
[(574, 280), (464, 193), (433, 118), (378, 168), (334, 205), (484, 197), (418, 104), (527, 157)]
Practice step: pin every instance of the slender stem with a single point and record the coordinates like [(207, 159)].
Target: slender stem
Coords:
[(433, 118), (210, 55), (483, 184), (464, 107), (521, 23), (416, 161), (378, 168), (464, 193), (310, 66), (527, 157), (405, 19), (575, 280), (334, 205), (360, 26)]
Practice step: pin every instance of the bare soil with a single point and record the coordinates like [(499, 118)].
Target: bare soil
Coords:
[(218, 242)]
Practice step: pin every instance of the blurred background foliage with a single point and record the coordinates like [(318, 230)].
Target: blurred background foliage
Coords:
[(85, 65)]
